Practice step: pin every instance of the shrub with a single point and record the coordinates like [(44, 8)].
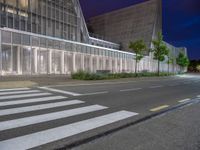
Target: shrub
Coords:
[(82, 75)]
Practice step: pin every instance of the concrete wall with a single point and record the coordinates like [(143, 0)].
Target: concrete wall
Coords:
[(141, 21)]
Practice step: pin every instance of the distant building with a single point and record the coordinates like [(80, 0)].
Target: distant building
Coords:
[(140, 21), (51, 37)]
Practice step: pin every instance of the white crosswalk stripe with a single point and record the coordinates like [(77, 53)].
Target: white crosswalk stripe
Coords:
[(48, 102), (54, 134), (37, 107), (23, 96), (19, 92), (33, 100), (48, 117), (60, 91), (16, 89)]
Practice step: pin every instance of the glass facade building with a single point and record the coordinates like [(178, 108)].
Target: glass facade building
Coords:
[(29, 53), (39, 37), (56, 18)]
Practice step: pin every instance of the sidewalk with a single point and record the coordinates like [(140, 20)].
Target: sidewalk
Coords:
[(177, 130), (31, 81)]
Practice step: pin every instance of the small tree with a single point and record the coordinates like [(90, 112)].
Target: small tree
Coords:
[(169, 62), (138, 47), (182, 60), (198, 68), (160, 50)]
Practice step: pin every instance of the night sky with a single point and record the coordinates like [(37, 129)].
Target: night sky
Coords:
[(181, 20)]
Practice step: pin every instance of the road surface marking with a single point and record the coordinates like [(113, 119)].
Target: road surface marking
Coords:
[(34, 100), (187, 82), (88, 84), (38, 107), (54, 134), (16, 89), (175, 84), (184, 100), (198, 96), (159, 108), (60, 91), (19, 92), (172, 84), (95, 93), (48, 117), (153, 87), (23, 96), (102, 83), (127, 90)]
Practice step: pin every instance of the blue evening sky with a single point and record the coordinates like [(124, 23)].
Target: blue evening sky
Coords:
[(181, 20)]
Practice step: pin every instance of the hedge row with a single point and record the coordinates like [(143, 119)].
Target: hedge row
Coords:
[(82, 75)]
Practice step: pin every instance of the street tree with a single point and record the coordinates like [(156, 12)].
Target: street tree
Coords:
[(198, 68), (160, 50), (138, 47), (182, 60), (170, 61)]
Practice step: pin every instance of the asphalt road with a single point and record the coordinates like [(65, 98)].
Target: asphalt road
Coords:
[(176, 130), (66, 116)]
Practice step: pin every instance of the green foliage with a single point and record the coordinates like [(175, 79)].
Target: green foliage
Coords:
[(194, 65), (160, 49), (81, 75), (198, 68), (182, 60), (170, 60), (138, 48)]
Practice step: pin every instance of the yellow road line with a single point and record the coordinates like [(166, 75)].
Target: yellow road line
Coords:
[(159, 108), (184, 100)]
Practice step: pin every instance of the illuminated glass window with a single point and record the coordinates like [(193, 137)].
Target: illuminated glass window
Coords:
[(16, 38), (6, 37)]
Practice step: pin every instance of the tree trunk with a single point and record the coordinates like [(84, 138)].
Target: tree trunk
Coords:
[(158, 68), (182, 69), (136, 65), (168, 68)]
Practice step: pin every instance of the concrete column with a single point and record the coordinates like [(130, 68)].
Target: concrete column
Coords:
[(110, 63), (132, 66), (62, 62), (50, 62), (91, 63), (120, 65), (19, 71), (74, 62), (97, 66), (35, 60), (11, 67), (82, 62), (104, 63), (115, 68), (1, 71), (126, 66)]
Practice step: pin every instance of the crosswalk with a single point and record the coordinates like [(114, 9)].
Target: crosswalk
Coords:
[(23, 102)]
